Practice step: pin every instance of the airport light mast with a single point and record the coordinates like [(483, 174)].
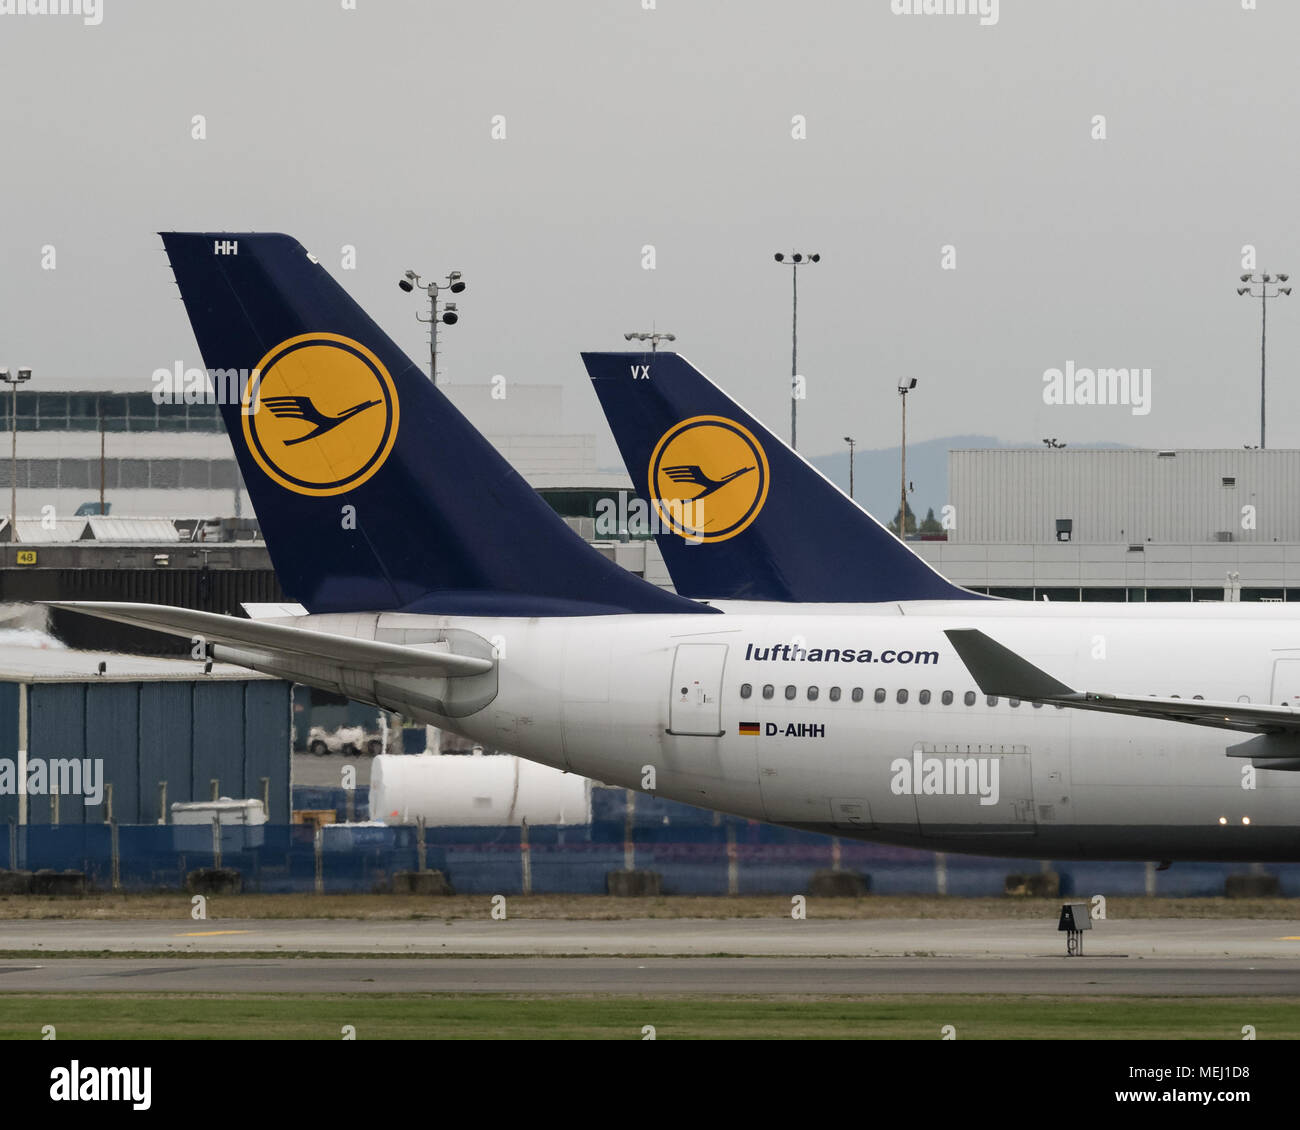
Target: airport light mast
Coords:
[(1263, 286), (794, 261), (905, 385), (19, 377), (654, 338), (450, 315), (852, 443)]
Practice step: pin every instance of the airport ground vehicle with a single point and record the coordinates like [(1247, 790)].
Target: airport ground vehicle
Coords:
[(347, 740)]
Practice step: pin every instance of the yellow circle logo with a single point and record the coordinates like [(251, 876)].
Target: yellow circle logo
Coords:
[(320, 414), (708, 478)]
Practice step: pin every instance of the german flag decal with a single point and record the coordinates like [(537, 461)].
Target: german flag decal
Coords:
[(749, 728)]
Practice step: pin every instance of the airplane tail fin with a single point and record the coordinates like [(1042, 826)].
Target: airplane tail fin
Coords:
[(738, 514), (373, 492)]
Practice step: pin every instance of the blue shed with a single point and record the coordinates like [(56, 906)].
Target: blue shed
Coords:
[(122, 736)]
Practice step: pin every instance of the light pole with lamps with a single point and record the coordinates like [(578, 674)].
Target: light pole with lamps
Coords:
[(905, 385), (794, 261), (1262, 286), (653, 338), (22, 375), (450, 315), (851, 442)]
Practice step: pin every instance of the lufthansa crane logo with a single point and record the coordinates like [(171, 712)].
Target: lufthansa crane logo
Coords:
[(708, 478), (322, 414)]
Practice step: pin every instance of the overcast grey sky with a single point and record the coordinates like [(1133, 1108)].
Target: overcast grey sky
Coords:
[(672, 127)]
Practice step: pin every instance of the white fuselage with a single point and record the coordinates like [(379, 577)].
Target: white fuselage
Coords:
[(754, 712)]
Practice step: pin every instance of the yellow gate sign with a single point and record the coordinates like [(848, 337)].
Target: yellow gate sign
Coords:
[(27, 557)]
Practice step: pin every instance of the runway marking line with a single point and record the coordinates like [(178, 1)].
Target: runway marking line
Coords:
[(210, 933)]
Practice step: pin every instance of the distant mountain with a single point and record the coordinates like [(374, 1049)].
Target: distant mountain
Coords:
[(875, 472)]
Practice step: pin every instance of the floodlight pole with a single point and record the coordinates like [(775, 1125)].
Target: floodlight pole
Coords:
[(794, 355), (654, 338), (456, 285), (432, 319), (13, 460), (794, 261), (904, 387), (433, 332), (1263, 286), (902, 476), (13, 382)]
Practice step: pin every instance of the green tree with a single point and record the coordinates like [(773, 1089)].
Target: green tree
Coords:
[(931, 525), (911, 522)]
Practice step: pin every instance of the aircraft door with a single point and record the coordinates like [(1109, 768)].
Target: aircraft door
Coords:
[(695, 697), (1286, 683)]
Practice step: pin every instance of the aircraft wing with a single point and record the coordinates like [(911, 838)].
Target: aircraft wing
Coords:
[(998, 670), (366, 655)]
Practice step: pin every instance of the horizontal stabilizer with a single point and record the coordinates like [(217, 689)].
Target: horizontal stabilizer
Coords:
[(272, 611), (368, 655), (997, 670)]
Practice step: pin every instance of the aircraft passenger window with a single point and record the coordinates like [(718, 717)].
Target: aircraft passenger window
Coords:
[(1013, 702), (946, 698), (880, 694), (993, 700), (923, 698), (813, 692), (835, 694), (790, 691), (1038, 706), (1198, 696), (768, 690), (969, 698), (746, 690), (901, 696), (857, 694)]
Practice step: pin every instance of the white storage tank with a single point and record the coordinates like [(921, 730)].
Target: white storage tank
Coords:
[(496, 789)]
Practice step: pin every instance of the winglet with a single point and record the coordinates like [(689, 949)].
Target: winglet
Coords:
[(998, 670)]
